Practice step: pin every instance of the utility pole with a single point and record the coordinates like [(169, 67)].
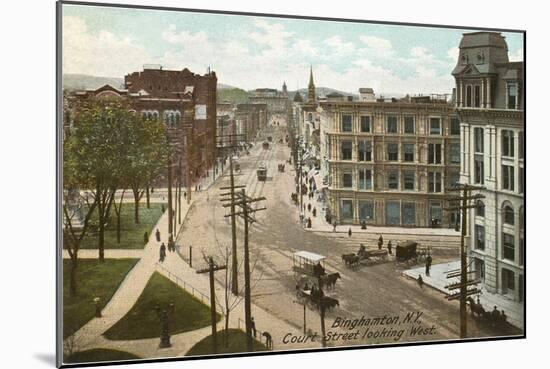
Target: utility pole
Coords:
[(170, 210), (246, 213), (210, 270), (465, 283), (221, 145)]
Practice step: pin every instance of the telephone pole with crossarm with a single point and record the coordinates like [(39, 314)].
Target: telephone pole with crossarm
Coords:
[(464, 285)]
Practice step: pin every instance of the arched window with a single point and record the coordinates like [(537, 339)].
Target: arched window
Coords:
[(508, 214), (155, 115), (178, 118), (149, 115), (166, 117), (172, 120), (480, 208)]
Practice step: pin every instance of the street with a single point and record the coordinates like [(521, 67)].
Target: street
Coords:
[(371, 291)]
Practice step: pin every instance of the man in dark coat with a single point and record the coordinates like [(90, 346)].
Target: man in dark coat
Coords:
[(380, 242), (349, 232), (157, 235), (428, 264), (162, 252), (253, 326), (389, 247)]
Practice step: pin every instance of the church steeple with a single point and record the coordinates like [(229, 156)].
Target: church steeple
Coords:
[(311, 86), (285, 90)]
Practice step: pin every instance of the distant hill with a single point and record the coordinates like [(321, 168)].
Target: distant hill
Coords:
[(83, 82), (232, 94), (321, 92), (225, 92)]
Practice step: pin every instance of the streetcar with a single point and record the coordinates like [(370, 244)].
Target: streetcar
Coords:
[(262, 172)]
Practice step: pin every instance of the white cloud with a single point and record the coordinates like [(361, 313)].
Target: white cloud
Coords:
[(269, 55), (452, 54), (339, 46), (378, 46), (101, 54), (305, 47), (516, 55)]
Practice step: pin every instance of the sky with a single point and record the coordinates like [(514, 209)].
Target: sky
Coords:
[(251, 52)]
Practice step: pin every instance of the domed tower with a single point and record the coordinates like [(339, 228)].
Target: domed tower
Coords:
[(311, 86)]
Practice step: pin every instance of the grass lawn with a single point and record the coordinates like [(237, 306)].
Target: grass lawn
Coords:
[(237, 343), (142, 320), (100, 355), (131, 236), (94, 279)]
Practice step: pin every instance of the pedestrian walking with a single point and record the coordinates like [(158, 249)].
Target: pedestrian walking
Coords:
[(309, 222), (314, 212), (389, 247), (380, 242), (162, 253), (157, 235), (253, 326), (420, 281), (349, 232), (334, 226), (428, 264), (308, 207)]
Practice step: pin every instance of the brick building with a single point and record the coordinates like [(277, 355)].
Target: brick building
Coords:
[(185, 101), (490, 104), (388, 163)]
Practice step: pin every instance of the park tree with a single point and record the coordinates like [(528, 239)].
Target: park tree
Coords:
[(97, 153), (78, 209), (148, 153)]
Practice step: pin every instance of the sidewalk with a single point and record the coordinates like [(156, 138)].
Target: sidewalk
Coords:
[(438, 280), (186, 277), (130, 288)]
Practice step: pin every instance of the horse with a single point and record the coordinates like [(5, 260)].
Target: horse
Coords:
[(330, 303), (330, 280), (476, 309), (268, 340), (350, 259)]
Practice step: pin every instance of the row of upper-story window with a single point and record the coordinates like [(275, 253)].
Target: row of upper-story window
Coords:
[(171, 118), (406, 180), (395, 124), (508, 221), (508, 145), (473, 96), (364, 152), (507, 176)]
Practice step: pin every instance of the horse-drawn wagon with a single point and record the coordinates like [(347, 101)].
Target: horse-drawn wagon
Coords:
[(308, 264), (405, 252), (365, 256)]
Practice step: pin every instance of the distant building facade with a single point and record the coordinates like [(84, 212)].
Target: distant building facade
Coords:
[(490, 104), (250, 119), (277, 102), (388, 163)]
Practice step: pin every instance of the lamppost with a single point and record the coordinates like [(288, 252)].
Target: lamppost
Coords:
[(97, 302), (164, 316)]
